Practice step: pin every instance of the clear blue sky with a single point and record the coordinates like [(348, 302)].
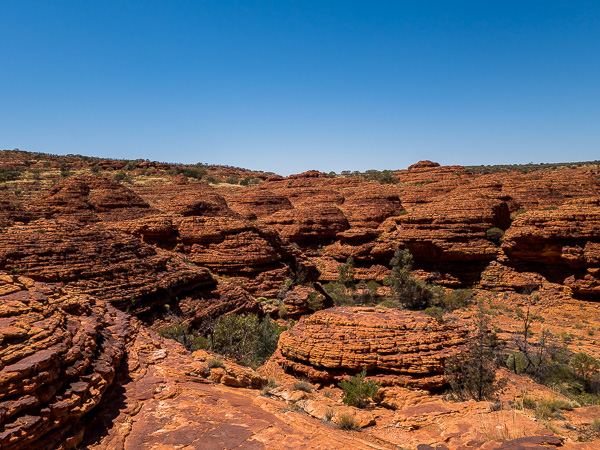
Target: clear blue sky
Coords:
[(289, 85)]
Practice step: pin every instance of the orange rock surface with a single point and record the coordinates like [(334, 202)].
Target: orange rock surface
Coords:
[(58, 354), (400, 347)]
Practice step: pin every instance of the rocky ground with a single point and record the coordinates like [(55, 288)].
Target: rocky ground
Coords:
[(97, 255)]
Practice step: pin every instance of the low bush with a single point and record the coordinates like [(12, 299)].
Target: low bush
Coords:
[(9, 174), (411, 292), (190, 338), (457, 299), (194, 172), (246, 339), (271, 384), (551, 408), (494, 235), (358, 392), (329, 414), (472, 374), (339, 293), (517, 362), (528, 402), (436, 312)]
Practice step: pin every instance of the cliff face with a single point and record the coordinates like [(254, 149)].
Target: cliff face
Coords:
[(563, 243)]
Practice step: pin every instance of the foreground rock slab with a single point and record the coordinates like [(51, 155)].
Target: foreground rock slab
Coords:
[(166, 402)]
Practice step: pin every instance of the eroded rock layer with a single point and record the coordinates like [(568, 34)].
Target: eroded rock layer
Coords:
[(89, 198), (58, 354), (562, 244), (95, 260), (397, 347)]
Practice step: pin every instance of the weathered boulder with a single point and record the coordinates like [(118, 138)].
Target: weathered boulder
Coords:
[(297, 301), (371, 205), (255, 203), (196, 199), (397, 347)]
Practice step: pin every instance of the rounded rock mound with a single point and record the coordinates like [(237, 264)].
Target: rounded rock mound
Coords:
[(425, 164), (405, 348)]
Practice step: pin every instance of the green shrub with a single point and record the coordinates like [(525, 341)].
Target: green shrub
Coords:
[(390, 303), (551, 408), (246, 339), (418, 294), (346, 421), (346, 274), (315, 301), (411, 292), (517, 362), (494, 235), (595, 425), (9, 174), (194, 172), (120, 176), (584, 365), (339, 293), (472, 374), (436, 312), (358, 392), (457, 299), (182, 334)]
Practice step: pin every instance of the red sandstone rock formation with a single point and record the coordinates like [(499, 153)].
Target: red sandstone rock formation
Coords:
[(307, 223), (253, 204), (92, 198), (563, 242), (194, 199), (58, 355), (400, 347), (98, 261), (370, 206)]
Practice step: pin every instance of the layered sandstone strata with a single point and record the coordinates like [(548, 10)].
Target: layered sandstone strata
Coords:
[(95, 260), (397, 347), (308, 224), (58, 354), (563, 243), (89, 198)]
